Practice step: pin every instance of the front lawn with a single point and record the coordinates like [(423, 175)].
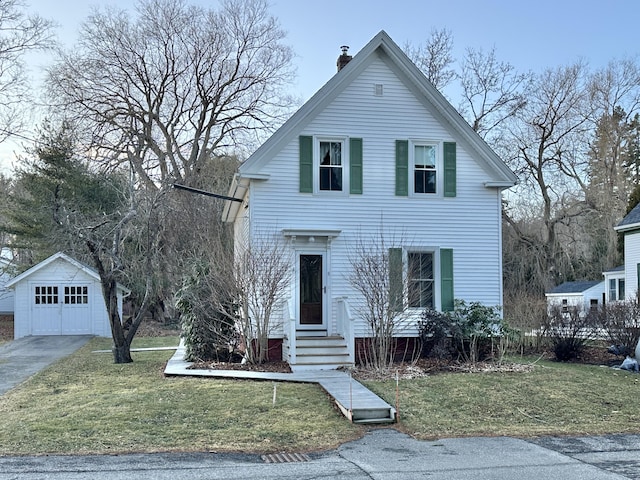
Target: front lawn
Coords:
[(86, 404), (553, 399)]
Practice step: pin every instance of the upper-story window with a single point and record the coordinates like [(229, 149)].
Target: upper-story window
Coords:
[(425, 169), (331, 166)]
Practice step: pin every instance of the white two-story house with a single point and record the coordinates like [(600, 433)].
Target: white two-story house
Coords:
[(376, 153)]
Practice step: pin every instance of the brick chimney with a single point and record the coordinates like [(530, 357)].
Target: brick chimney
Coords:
[(344, 58)]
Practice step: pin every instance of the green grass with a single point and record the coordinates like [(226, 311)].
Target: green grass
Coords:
[(87, 404), (554, 399)]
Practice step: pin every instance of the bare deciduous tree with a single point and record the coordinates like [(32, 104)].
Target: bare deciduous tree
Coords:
[(434, 57), (492, 91), (546, 148), (19, 34), (175, 85)]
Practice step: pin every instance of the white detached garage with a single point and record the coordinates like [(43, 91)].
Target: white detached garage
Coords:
[(60, 296)]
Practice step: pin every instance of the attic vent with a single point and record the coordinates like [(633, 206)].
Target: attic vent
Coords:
[(378, 90)]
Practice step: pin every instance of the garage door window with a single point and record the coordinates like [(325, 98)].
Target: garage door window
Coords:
[(46, 295), (76, 295)]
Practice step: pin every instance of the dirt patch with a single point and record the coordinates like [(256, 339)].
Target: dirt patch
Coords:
[(6, 328), (149, 328)]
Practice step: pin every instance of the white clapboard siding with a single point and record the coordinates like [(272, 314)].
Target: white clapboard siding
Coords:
[(631, 262), (469, 224)]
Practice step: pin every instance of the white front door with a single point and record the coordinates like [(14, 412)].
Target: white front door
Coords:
[(312, 291)]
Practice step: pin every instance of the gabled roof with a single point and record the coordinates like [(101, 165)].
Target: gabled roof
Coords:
[(631, 221), (423, 89), (59, 256), (574, 287)]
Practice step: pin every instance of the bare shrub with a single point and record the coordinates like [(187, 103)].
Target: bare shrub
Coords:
[(570, 330), (377, 274), (525, 313), (621, 322), (262, 278)]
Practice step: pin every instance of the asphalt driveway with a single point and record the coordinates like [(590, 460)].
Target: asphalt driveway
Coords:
[(22, 358)]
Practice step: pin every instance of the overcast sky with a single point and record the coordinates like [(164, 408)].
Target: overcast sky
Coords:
[(530, 34)]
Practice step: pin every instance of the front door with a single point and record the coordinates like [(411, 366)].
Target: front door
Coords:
[(312, 290)]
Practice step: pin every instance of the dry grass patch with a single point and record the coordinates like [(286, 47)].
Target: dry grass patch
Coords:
[(552, 399), (87, 404)]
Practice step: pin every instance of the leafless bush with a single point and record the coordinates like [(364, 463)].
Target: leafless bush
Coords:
[(570, 329), (262, 277), (525, 313), (376, 273), (621, 322)]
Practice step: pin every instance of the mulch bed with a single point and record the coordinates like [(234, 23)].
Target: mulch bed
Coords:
[(272, 367), (425, 366)]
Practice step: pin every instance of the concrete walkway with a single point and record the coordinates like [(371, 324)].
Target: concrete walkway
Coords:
[(357, 403), (19, 359)]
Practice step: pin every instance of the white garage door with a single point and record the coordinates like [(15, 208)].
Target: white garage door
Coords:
[(61, 310)]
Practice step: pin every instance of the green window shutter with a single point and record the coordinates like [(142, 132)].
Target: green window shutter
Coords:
[(395, 279), (355, 165), (446, 279), (402, 168), (449, 151), (306, 164)]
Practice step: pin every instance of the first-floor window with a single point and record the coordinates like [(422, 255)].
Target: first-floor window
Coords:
[(616, 289), (612, 290), (593, 304), (565, 305), (46, 295), (420, 276), (76, 295)]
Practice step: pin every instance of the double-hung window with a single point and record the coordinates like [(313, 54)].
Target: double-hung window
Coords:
[(331, 165), (425, 173), (420, 276), (425, 168), (331, 173), (616, 289)]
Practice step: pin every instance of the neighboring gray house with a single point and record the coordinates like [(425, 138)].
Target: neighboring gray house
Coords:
[(376, 153), (583, 295), (6, 294), (60, 296)]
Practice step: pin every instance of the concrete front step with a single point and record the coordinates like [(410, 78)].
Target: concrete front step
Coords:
[(321, 353)]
